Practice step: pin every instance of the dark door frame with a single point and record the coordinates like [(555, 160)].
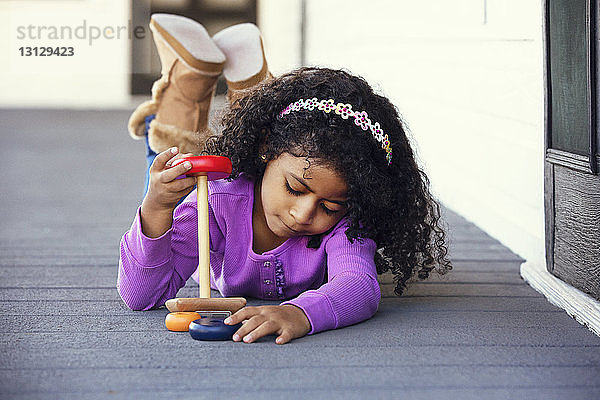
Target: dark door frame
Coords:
[(571, 180), (591, 163)]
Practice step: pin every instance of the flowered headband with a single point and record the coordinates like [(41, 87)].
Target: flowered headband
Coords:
[(344, 110)]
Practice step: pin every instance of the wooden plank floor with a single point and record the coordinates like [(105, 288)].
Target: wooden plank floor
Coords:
[(71, 181)]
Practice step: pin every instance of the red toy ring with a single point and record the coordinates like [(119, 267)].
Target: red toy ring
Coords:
[(215, 167)]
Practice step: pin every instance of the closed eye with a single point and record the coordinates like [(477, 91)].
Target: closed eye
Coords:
[(328, 211), (290, 190), (297, 193)]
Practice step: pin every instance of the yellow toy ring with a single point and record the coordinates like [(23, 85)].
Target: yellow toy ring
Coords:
[(180, 321)]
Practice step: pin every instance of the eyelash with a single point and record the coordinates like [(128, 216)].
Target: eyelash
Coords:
[(296, 193)]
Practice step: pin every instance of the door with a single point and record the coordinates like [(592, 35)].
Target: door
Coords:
[(572, 183)]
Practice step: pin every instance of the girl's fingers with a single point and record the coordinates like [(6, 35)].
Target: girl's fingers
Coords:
[(264, 329), (182, 185), (178, 156), (246, 328), (284, 338), (242, 314), (170, 174), (162, 158)]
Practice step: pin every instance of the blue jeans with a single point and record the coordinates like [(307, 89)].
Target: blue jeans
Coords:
[(150, 155)]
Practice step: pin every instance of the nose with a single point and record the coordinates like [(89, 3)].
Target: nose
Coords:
[(303, 212)]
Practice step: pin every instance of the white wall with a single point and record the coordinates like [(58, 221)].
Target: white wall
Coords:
[(280, 24), (96, 76), (468, 80)]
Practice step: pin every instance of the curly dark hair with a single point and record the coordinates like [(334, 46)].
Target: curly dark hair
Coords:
[(390, 204)]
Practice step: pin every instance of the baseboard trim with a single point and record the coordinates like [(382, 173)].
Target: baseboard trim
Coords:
[(581, 306)]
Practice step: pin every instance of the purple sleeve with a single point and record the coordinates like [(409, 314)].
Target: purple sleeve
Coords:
[(352, 292), (152, 270)]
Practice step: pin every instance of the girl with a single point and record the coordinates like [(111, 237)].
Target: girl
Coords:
[(325, 194)]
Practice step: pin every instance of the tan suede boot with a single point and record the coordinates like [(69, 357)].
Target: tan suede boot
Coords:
[(191, 64), (246, 65)]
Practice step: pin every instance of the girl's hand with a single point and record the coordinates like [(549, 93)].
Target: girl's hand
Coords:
[(288, 321), (164, 189), (164, 192)]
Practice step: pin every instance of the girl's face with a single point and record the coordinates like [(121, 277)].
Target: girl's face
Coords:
[(298, 202)]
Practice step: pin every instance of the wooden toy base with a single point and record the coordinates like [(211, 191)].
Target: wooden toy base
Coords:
[(231, 304)]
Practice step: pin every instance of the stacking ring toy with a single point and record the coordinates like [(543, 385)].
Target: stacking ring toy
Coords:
[(212, 329), (180, 321), (204, 169), (214, 167)]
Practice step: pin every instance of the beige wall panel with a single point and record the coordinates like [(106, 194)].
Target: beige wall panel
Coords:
[(467, 77), (97, 75)]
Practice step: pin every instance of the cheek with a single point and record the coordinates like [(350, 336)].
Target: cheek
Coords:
[(274, 202), (323, 223)]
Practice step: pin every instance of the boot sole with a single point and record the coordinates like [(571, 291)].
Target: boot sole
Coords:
[(190, 42), (242, 38)]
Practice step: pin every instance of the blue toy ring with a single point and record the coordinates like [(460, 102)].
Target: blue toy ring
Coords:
[(212, 329)]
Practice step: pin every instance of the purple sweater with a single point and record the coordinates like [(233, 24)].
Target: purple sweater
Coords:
[(151, 271)]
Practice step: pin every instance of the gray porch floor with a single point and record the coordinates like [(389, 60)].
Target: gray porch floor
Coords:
[(71, 181)]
